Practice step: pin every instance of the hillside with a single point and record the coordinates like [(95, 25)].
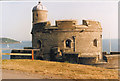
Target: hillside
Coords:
[(7, 41), (58, 70)]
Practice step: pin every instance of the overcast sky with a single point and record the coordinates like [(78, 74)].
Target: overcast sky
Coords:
[(17, 16)]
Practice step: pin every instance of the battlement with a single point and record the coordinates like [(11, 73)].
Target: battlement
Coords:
[(91, 23), (87, 25), (73, 24), (66, 24)]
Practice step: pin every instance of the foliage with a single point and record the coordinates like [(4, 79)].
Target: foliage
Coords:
[(7, 40)]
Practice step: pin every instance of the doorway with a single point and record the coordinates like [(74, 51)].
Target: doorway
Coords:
[(39, 44)]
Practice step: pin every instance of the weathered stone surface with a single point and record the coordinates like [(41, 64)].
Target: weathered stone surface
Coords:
[(83, 43), (85, 39)]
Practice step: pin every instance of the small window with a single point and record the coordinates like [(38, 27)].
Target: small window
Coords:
[(37, 14), (68, 43), (73, 23), (95, 42), (100, 36)]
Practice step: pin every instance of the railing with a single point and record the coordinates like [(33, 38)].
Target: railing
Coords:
[(17, 54), (26, 54)]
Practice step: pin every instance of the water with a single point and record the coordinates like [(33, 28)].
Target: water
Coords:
[(105, 44), (14, 46)]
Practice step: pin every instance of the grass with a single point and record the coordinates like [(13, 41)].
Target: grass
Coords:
[(57, 69)]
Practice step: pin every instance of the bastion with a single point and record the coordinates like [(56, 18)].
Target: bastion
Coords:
[(66, 39)]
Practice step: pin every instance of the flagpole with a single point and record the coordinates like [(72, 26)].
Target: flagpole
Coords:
[(109, 43)]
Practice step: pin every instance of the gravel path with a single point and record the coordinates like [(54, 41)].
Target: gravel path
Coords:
[(16, 74), (13, 74)]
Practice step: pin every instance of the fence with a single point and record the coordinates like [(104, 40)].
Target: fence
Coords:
[(21, 54)]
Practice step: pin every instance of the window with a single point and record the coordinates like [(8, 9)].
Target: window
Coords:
[(73, 23), (95, 42), (39, 44), (100, 36), (37, 14), (68, 43)]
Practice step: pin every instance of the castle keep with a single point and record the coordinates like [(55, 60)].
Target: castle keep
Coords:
[(66, 39)]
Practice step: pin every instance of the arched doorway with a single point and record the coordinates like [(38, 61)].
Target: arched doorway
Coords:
[(39, 44)]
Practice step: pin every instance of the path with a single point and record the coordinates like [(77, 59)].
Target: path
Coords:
[(13, 74)]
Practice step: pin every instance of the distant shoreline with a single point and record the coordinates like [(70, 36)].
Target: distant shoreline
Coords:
[(10, 43)]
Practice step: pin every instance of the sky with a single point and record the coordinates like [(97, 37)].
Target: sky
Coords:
[(16, 21)]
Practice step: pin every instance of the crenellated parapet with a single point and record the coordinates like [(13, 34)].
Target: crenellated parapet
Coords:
[(66, 38)]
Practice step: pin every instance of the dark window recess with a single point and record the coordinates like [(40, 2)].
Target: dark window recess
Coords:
[(39, 44), (82, 31), (100, 36), (73, 23), (37, 14), (68, 43), (95, 42)]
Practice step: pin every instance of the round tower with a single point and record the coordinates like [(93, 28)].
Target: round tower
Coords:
[(39, 13)]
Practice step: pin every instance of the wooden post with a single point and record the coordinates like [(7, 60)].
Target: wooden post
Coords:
[(32, 55)]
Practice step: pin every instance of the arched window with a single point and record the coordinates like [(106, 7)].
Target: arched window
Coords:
[(100, 36), (39, 44), (95, 42), (68, 43)]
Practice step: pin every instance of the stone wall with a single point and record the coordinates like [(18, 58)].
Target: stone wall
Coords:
[(48, 40), (20, 57), (112, 59), (39, 16), (70, 57), (66, 24), (87, 60), (112, 62), (80, 42)]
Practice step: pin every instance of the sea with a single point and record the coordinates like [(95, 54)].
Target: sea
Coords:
[(105, 46)]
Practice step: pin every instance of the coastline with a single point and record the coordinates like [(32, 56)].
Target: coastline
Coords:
[(11, 43)]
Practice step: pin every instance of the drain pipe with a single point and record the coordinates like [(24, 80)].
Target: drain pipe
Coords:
[(73, 42)]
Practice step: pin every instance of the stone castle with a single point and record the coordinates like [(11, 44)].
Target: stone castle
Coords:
[(65, 40)]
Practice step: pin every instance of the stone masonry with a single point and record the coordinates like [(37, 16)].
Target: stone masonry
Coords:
[(65, 37)]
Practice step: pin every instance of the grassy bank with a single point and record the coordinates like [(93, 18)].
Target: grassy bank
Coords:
[(60, 70)]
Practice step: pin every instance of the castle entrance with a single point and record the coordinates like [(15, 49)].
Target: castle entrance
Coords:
[(39, 44)]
